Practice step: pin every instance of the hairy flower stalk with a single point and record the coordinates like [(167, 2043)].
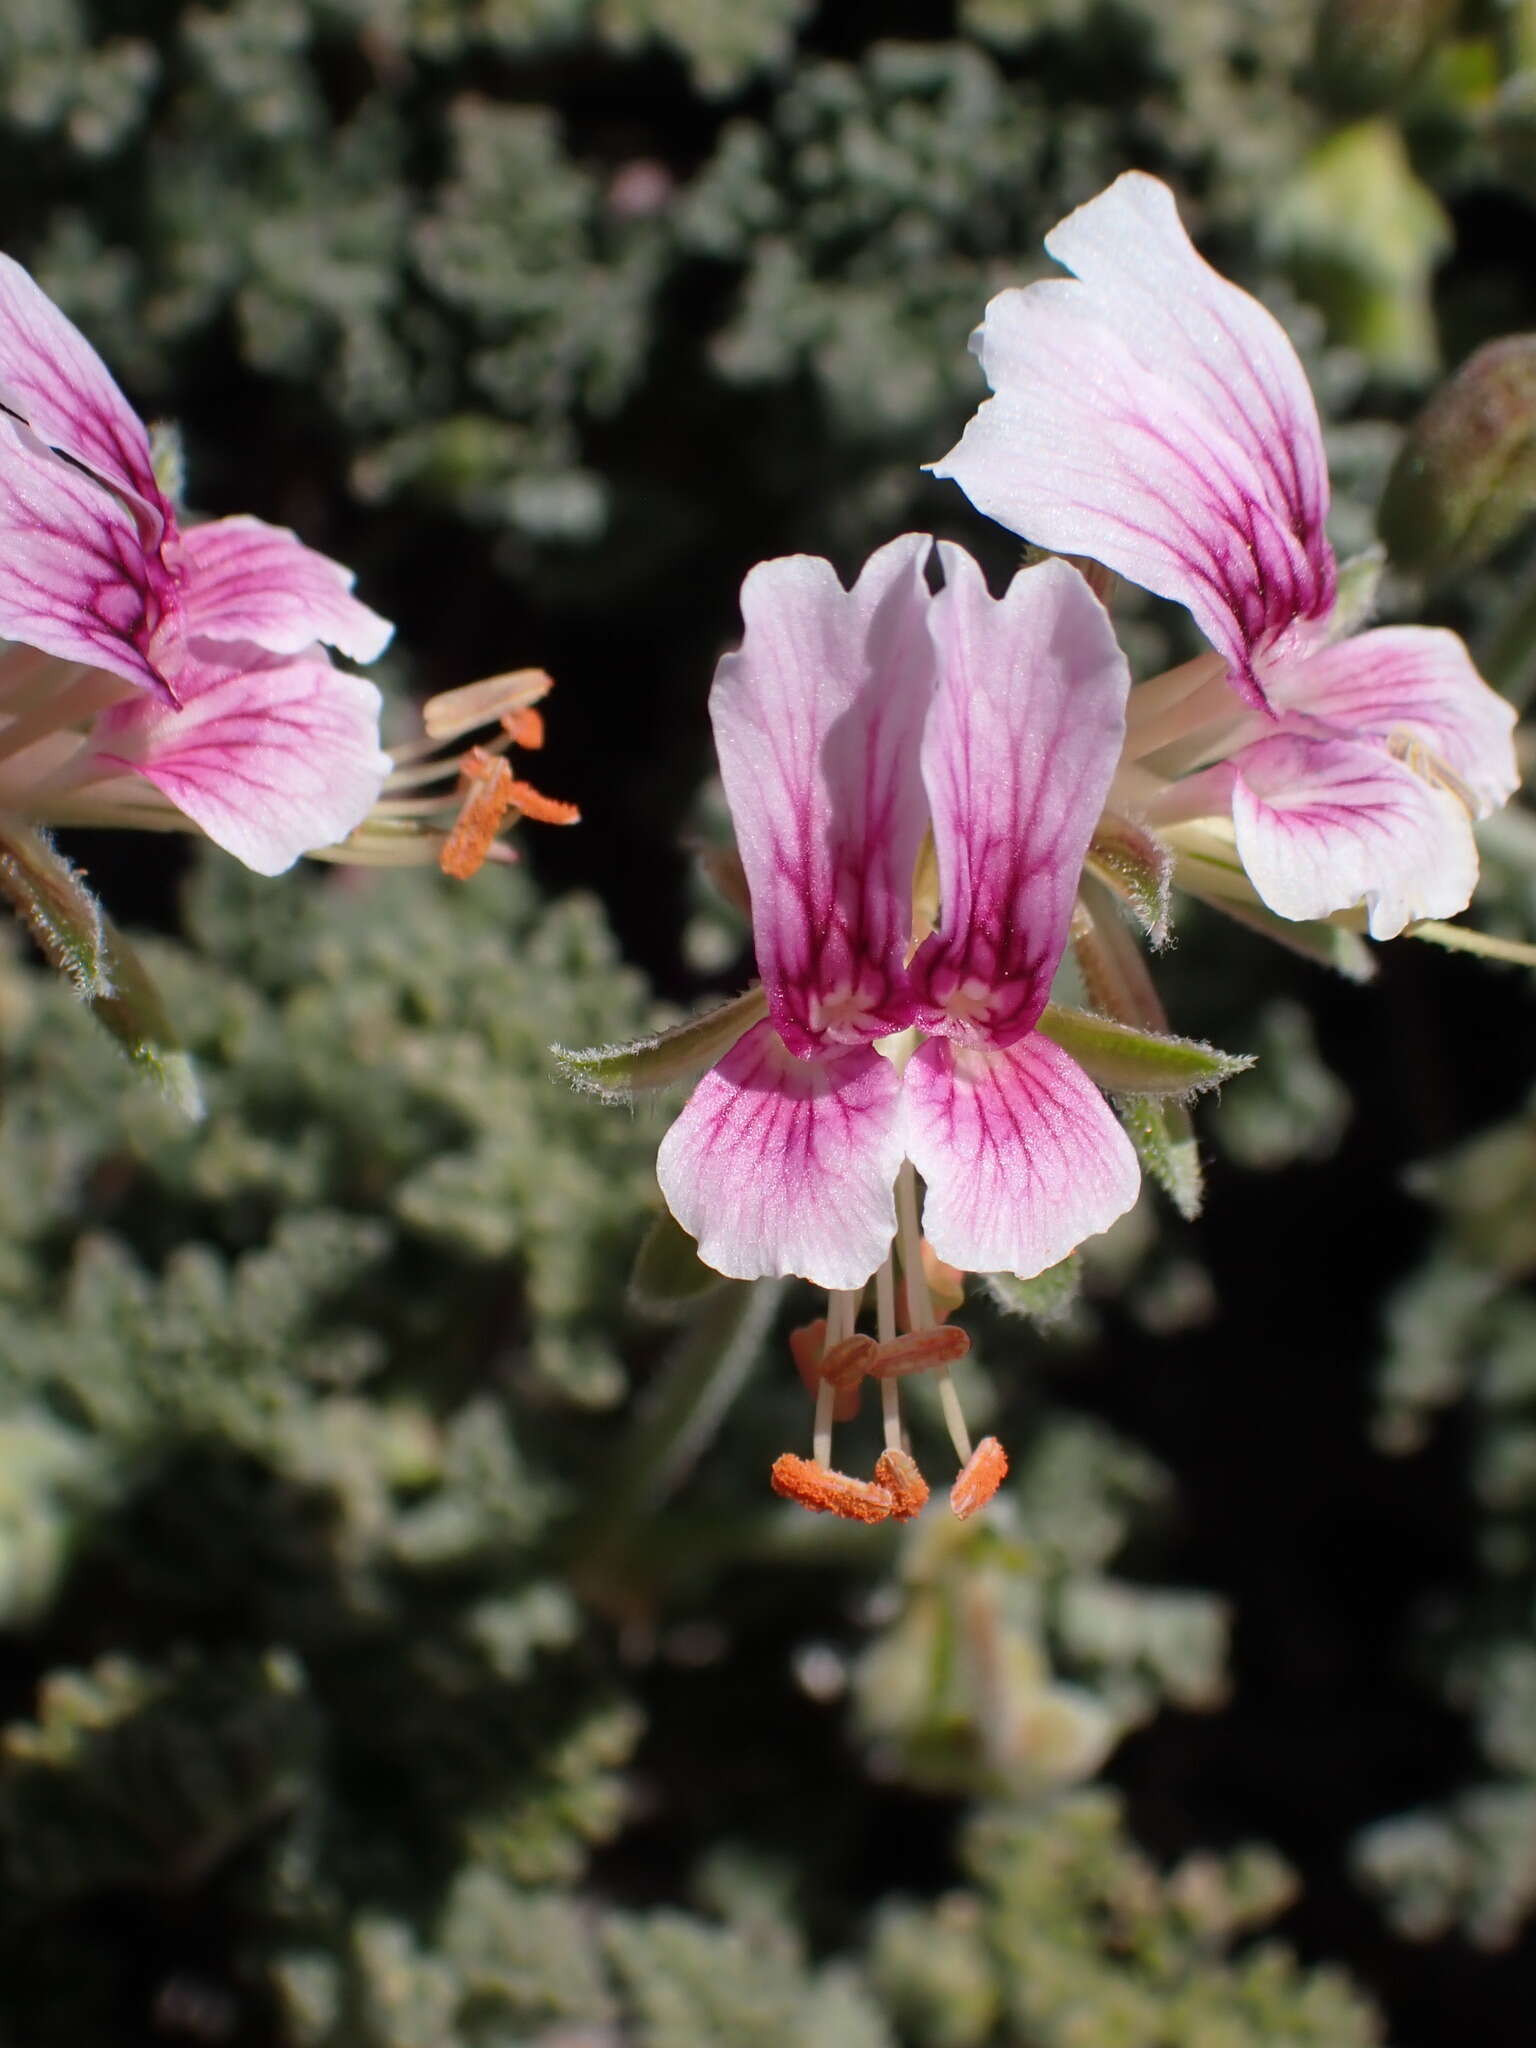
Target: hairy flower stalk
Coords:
[(1154, 418)]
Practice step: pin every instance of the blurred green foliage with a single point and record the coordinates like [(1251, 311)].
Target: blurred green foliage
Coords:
[(400, 1646)]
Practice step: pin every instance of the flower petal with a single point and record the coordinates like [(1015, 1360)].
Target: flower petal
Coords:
[(1155, 417), (780, 1165), (1416, 682), (1018, 754), (1323, 824), (270, 757), (54, 380), (1022, 1156), (249, 581), (75, 580), (817, 720)]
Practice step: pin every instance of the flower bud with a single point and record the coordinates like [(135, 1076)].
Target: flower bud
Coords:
[(1465, 477)]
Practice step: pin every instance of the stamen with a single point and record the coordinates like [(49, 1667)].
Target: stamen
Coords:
[(808, 1348), (982, 1474), (885, 1323), (896, 1470), (825, 1492), (821, 1428), (1421, 758), (920, 1314), (524, 727), (452, 713), (544, 810), (954, 1420), (918, 1351), (487, 800)]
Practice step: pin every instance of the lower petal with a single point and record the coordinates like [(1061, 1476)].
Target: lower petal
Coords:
[(780, 1165), (1022, 1156), (1324, 824), (271, 758), (246, 580)]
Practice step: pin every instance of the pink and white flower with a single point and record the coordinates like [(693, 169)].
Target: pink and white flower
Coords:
[(191, 659), (850, 724), (1151, 416)]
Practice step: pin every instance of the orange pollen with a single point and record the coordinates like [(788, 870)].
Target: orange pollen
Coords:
[(897, 1472), (524, 727), (982, 1474), (487, 799), (544, 810), (919, 1351), (830, 1493), (807, 1345)]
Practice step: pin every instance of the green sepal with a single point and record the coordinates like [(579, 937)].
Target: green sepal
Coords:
[(1130, 1062), (1047, 1298), (1164, 1136), (1134, 863), (76, 936), (618, 1072), (668, 1275)]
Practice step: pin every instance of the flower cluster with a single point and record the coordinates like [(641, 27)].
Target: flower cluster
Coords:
[(1150, 418)]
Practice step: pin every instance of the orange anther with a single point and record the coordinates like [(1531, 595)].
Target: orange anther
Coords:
[(897, 1472), (830, 1493), (807, 1346), (846, 1363), (982, 1474), (544, 810), (487, 799), (524, 727), (918, 1351)]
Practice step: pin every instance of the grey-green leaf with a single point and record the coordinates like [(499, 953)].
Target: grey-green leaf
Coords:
[(618, 1072), (1131, 1062)]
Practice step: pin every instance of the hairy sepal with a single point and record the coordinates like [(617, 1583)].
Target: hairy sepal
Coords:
[(1126, 1061), (1049, 1298), (1136, 864), (1164, 1137), (76, 936), (620, 1072)]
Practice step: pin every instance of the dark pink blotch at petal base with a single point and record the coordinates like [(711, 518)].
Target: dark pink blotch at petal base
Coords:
[(817, 721), (1018, 755)]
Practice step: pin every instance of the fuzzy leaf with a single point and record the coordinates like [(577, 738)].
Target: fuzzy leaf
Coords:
[(668, 1274), (1138, 867), (1164, 1137), (1130, 1062), (1048, 1298), (617, 1072)]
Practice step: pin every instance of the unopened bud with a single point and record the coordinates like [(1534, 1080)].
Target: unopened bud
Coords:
[(1465, 478)]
